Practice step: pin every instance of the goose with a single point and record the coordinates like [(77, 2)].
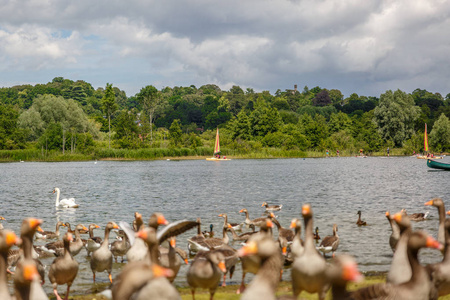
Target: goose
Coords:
[(236, 226), (257, 222), (316, 235), (400, 269), (93, 242), (211, 243), (101, 259), (41, 234), (120, 247), (64, 269), (308, 270), (418, 287), (417, 216), (264, 284), (231, 259), (271, 207), (243, 236), (1, 225), (330, 243), (395, 235), (285, 236), (342, 270), (57, 248), (138, 249), (297, 244), (439, 204), (440, 272), (7, 240), (69, 229), (194, 242), (64, 203), (170, 258), (27, 281), (205, 272), (251, 264), (360, 222)]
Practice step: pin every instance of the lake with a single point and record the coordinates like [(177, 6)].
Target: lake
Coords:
[(336, 188)]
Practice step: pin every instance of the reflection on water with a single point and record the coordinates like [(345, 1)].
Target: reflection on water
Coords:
[(336, 187)]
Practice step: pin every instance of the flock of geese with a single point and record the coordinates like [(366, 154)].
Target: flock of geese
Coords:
[(153, 259)]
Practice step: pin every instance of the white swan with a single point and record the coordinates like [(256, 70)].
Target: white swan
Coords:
[(64, 203)]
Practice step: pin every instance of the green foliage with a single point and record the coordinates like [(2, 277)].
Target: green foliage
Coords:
[(395, 116), (263, 120), (175, 132), (440, 135)]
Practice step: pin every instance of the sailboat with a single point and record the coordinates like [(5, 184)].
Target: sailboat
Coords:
[(216, 154), (425, 146)]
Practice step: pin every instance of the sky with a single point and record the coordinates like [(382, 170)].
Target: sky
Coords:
[(364, 47)]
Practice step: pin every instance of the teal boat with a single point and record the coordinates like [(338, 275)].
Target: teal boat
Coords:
[(437, 165)]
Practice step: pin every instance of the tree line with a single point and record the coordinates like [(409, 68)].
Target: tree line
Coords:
[(68, 115)]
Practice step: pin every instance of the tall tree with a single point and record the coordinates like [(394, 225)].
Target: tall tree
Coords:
[(109, 106), (395, 116), (175, 132), (440, 135), (149, 98)]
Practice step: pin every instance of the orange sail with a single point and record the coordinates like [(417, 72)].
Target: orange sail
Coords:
[(217, 144), (425, 140)]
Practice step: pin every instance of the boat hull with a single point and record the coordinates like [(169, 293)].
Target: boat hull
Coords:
[(426, 157), (217, 159), (438, 165)]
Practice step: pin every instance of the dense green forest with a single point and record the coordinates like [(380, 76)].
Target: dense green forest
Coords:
[(71, 118)]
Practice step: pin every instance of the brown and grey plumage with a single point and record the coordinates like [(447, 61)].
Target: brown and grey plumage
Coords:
[(93, 242), (270, 208), (417, 216), (42, 234), (69, 229), (342, 270), (64, 269), (330, 243), (437, 202), (236, 226), (231, 259), (257, 222), (120, 247), (7, 240), (285, 235), (101, 259), (418, 287), (241, 237), (308, 270), (138, 249), (193, 242), (172, 259), (400, 269), (211, 243), (360, 222), (205, 272), (57, 248), (440, 272), (395, 235), (264, 284), (27, 285)]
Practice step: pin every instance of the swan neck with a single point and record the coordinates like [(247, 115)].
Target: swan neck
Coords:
[(57, 197)]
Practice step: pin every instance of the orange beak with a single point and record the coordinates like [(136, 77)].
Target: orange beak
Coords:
[(11, 238), (429, 202), (142, 234), (173, 243), (222, 267), (30, 272), (350, 273), (34, 223), (306, 209), (162, 220), (448, 212), (221, 215), (161, 272), (84, 228), (241, 211), (284, 250), (186, 261), (432, 243), (388, 214), (115, 226), (397, 217), (249, 249), (39, 229), (269, 223), (96, 226), (70, 237)]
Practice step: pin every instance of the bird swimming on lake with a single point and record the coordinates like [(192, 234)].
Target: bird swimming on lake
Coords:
[(360, 222)]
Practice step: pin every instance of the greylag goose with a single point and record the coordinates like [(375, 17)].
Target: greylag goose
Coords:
[(418, 287), (285, 235), (41, 234), (194, 242), (330, 243), (251, 264), (64, 269), (120, 247), (172, 259), (342, 270), (417, 216), (57, 248), (316, 235), (236, 226), (93, 242), (1, 225), (231, 259), (243, 236), (137, 222), (205, 272), (27, 284), (297, 244), (308, 270), (440, 272), (265, 283), (211, 243), (271, 207), (101, 259), (64, 203), (69, 229), (7, 240), (395, 235), (360, 222), (400, 270), (257, 222), (138, 249), (437, 202)]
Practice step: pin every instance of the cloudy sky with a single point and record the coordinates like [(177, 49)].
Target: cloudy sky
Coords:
[(366, 47)]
